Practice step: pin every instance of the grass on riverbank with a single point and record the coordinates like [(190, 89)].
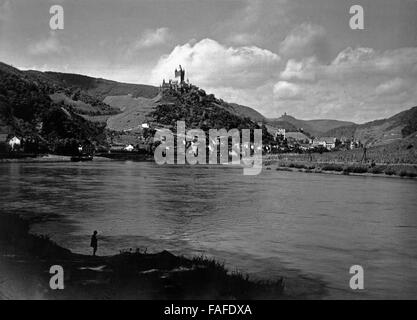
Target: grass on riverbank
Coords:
[(400, 170), (128, 275)]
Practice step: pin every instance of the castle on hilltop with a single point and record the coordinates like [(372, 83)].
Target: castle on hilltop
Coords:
[(178, 83)]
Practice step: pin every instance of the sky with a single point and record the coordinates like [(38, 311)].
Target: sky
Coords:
[(295, 56)]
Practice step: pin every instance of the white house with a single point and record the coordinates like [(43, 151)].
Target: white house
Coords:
[(327, 142), (129, 148), (15, 143), (280, 132)]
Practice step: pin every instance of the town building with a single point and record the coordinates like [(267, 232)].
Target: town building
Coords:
[(327, 142), (280, 134)]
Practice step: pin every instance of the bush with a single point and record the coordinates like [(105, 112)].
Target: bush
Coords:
[(283, 169), (360, 169), (332, 167), (389, 172), (299, 166), (356, 169), (376, 170), (403, 173)]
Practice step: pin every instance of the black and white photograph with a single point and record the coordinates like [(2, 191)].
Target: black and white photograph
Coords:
[(208, 150)]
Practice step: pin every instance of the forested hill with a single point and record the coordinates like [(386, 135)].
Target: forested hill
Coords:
[(27, 110), (59, 109), (383, 131), (57, 112), (198, 110), (313, 127)]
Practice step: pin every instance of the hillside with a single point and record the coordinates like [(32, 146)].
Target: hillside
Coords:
[(27, 110), (278, 124), (99, 88), (60, 111), (198, 110), (245, 112), (313, 127), (134, 101), (83, 104), (74, 98), (31, 101), (134, 111), (381, 132)]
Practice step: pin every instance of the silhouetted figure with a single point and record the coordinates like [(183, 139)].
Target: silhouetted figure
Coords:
[(93, 243)]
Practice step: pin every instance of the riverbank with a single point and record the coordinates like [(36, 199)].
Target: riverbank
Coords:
[(26, 260), (49, 158), (342, 168)]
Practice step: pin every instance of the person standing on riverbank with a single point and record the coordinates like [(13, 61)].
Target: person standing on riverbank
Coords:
[(94, 242)]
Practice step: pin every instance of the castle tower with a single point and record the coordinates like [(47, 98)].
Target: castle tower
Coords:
[(178, 83), (180, 75)]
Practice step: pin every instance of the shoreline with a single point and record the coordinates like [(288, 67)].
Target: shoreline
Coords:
[(51, 158), (126, 275), (403, 171), (327, 172)]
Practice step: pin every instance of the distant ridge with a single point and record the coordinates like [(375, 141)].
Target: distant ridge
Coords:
[(246, 112), (29, 98), (381, 132), (313, 127)]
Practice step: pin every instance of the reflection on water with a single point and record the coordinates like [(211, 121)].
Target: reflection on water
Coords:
[(264, 225)]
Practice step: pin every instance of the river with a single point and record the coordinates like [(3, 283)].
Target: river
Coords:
[(277, 223)]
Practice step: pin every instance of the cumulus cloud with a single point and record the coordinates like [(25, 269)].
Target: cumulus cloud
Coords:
[(152, 38), (49, 45), (360, 84), (211, 64), (393, 86), (242, 38), (366, 61), (354, 56), (287, 91), (304, 41), (255, 22), (300, 70)]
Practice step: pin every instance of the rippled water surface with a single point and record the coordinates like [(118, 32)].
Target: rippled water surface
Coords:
[(268, 225)]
